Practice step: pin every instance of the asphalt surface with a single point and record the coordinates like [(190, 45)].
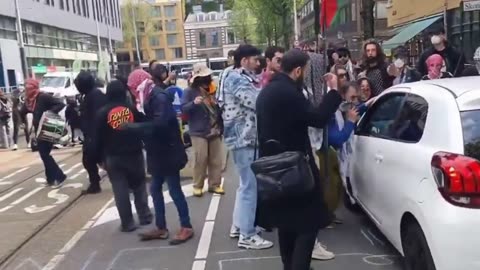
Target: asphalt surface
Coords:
[(85, 235)]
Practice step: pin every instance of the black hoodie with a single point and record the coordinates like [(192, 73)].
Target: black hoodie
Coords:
[(109, 138), (92, 100)]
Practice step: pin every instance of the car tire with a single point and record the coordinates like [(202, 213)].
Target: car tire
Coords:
[(417, 255)]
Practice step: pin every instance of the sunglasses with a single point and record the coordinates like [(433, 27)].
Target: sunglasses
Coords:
[(342, 56)]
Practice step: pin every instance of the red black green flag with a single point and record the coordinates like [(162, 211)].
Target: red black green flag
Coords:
[(328, 13)]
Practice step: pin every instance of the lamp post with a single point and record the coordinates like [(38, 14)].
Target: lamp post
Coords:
[(21, 44), (295, 20), (136, 35)]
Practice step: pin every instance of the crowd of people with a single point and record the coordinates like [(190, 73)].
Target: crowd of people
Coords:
[(276, 96)]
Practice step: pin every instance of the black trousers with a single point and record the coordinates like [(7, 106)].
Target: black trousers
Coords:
[(296, 249), (18, 119), (91, 166), (52, 170), (127, 174)]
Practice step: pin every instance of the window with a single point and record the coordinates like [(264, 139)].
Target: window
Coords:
[(215, 39), (141, 27), (171, 25), (79, 10), (379, 120), (156, 11), (177, 52), (169, 11), (67, 2), (203, 39), (61, 4), (172, 39), (471, 132), (200, 17), (158, 26), (154, 41), (231, 36), (396, 116), (160, 54)]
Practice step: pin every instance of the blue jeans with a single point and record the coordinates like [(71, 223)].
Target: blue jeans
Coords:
[(246, 199), (176, 192)]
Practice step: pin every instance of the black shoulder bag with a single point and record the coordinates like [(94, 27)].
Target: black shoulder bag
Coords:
[(283, 175)]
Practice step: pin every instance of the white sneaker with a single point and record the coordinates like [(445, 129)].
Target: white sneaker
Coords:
[(29, 145), (15, 147), (234, 232), (254, 242), (321, 253)]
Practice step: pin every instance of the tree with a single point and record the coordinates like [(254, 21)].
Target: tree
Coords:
[(243, 21), (368, 18)]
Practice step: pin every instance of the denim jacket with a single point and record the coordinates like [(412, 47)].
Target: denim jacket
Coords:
[(237, 98)]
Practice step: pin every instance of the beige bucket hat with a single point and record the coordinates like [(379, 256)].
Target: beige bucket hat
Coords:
[(200, 70)]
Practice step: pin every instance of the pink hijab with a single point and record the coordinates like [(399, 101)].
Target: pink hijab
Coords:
[(434, 66)]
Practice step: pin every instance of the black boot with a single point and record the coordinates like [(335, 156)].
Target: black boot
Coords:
[(92, 189)]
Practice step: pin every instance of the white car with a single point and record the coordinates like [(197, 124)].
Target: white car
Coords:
[(415, 170), (59, 84)]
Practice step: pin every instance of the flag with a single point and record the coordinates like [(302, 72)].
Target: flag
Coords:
[(329, 10)]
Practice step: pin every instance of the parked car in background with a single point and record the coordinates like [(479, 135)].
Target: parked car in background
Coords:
[(415, 171)]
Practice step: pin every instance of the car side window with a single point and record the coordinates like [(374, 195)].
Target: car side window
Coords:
[(67, 84), (410, 123), (380, 119)]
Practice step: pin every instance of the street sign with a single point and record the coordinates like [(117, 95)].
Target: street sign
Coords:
[(471, 5), (39, 68)]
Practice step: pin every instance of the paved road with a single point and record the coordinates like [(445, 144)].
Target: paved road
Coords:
[(86, 237)]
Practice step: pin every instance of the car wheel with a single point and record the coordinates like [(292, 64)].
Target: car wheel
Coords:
[(415, 248)]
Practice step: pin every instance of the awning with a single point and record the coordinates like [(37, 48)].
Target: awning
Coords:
[(408, 32)]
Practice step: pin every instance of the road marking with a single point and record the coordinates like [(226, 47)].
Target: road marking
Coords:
[(203, 247), (375, 237), (123, 251), (57, 259), (10, 194), (77, 174), (26, 196), (199, 265), (11, 175), (31, 261), (368, 238), (72, 168), (53, 194), (89, 260)]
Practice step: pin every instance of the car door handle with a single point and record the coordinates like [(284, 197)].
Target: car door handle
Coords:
[(378, 158)]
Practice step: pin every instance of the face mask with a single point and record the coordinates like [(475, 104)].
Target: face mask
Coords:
[(437, 42), (399, 63)]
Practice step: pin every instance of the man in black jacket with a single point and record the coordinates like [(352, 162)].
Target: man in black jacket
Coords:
[(454, 59), (376, 67), (92, 100), (121, 153), (284, 115)]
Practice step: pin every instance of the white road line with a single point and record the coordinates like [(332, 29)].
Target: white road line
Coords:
[(199, 265), (69, 245), (57, 259), (72, 168), (366, 236), (77, 174), (10, 194), (375, 237), (11, 175), (213, 208), (205, 239), (15, 172), (26, 196)]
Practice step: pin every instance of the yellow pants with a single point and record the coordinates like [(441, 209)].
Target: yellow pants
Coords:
[(333, 187)]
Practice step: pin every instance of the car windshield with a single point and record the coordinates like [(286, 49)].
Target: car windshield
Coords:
[(53, 82), (471, 133)]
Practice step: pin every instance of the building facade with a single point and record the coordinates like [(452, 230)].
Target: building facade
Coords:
[(159, 32), (208, 35), (348, 28), (462, 26), (58, 32)]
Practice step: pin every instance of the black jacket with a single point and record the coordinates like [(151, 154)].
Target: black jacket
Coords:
[(109, 139), (45, 102), (454, 59), (161, 133), (284, 115), (91, 103), (379, 78)]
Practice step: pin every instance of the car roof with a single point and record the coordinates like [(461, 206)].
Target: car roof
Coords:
[(457, 86), (59, 74)]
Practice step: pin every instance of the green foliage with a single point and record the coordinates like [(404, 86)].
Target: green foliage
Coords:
[(267, 22)]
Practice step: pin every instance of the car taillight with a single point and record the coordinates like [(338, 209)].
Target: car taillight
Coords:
[(458, 178)]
